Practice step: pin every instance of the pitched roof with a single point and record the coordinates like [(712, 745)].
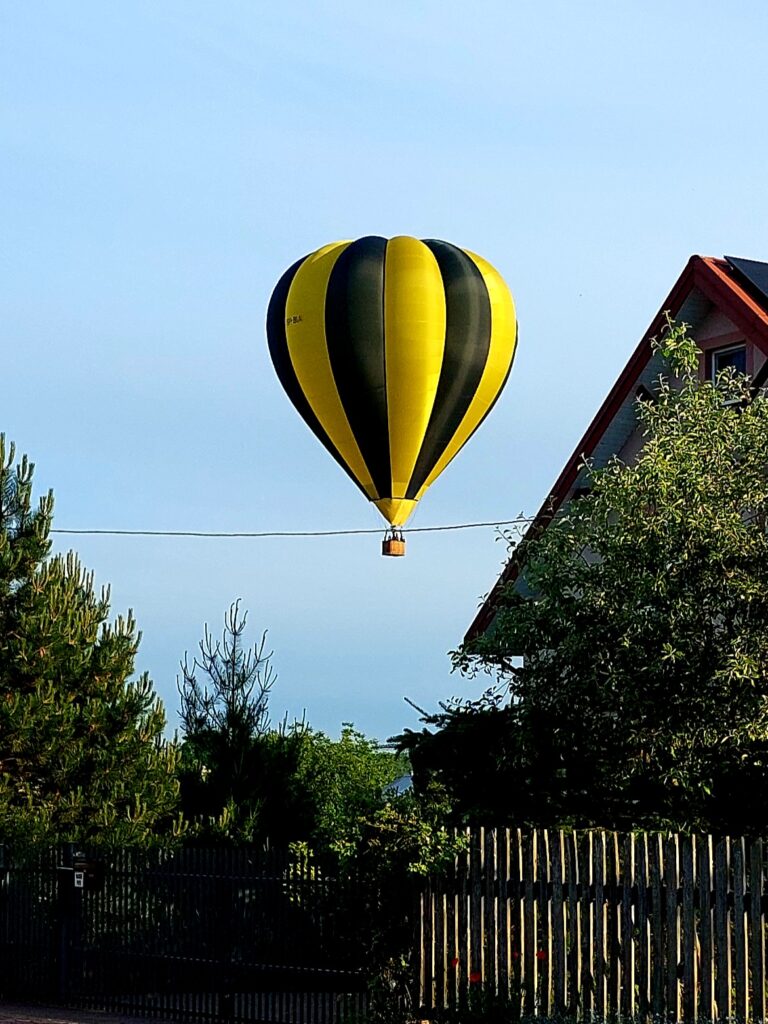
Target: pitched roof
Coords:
[(739, 289)]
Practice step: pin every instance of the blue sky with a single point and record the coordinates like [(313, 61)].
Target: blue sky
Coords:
[(164, 162)]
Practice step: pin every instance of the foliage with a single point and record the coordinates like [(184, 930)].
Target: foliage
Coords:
[(238, 774), (82, 755), (245, 780), (399, 845), (346, 782), (479, 752), (632, 688), (483, 1006), (235, 704), (409, 836)]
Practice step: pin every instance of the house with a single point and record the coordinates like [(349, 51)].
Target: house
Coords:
[(725, 303)]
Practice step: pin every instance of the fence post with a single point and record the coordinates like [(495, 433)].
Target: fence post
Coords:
[(69, 921)]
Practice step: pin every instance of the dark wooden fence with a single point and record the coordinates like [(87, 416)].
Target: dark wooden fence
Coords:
[(192, 935), (600, 923)]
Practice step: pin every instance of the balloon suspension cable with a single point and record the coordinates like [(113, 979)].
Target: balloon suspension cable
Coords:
[(393, 544)]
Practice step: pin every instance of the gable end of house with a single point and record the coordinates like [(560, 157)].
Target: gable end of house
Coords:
[(725, 303)]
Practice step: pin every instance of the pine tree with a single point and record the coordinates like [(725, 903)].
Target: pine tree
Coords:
[(238, 774), (82, 753)]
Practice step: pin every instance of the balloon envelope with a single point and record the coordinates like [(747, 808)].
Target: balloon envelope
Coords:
[(393, 351)]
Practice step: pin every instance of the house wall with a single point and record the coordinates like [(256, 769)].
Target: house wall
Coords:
[(717, 331), (714, 332), (631, 449)]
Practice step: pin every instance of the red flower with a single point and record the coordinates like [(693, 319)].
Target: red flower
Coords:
[(455, 962), (540, 954), (475, 977), (515, 955)]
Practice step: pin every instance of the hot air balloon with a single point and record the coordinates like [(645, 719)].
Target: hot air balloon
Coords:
[(393, 351)]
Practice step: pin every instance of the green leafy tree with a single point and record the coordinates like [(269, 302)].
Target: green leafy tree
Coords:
[(397, 846), (82, 754), (346, 781), (632, 688)]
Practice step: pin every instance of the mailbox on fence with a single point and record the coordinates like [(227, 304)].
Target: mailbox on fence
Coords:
[(88, 873), (85, 872)]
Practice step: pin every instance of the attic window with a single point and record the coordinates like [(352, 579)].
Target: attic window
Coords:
[(642, 394), (722, 358)]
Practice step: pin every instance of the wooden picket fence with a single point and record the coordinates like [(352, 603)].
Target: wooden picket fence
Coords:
[(599, 924)]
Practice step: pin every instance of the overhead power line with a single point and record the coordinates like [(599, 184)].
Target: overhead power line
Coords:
[(291, 533)]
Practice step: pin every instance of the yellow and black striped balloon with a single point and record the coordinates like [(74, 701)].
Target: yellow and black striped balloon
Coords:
[(393, 351)]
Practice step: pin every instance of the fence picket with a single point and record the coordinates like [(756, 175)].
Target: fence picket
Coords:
[(462, 953), (689, 937), (671, 879), (518, 917), (706, 949), (658, 943), (574, 922), (741, 980), (613, 925), (642, 928), (722, 929), (757, 929), (544, 940), (530, 922), (504, 934), (440, 913), (490, 909), (476, 907), (588, 925), (558, 932), (627, 880), (600, 959), (452, 939)]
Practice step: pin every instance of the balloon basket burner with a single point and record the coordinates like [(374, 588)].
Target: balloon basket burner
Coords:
[(393, 544)]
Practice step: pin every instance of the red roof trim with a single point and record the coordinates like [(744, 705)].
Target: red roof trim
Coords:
[(712, 278)]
